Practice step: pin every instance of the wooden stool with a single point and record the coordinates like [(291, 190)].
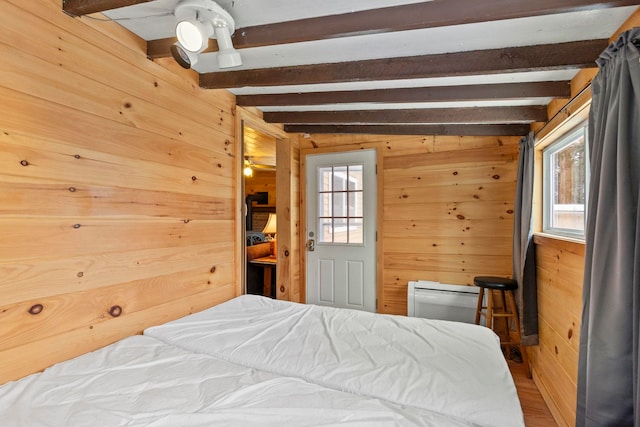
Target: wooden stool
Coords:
[(508, 311)]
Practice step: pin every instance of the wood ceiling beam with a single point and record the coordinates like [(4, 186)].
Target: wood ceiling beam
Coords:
[(436, 13), (85, 7), (450, 129), (579, 54), (430, 14), (486, 115), (554, 89)]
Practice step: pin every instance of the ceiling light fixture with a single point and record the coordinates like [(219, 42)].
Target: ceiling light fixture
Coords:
[(197, 22), (248, 167)]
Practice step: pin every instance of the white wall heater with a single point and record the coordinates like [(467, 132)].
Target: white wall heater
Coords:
[(434, 300)]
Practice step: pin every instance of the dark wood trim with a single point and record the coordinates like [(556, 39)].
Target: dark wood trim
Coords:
[(450, 129), (571, 55), (85, 7), (557, 89), (489, 115)]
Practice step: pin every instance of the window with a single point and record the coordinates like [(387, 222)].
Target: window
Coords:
[(340, 204), (566, 170)]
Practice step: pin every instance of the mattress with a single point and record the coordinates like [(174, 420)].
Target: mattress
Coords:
[(454, 369), (141, 381)]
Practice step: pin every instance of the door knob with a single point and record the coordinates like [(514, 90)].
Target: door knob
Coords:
[(311, 245)]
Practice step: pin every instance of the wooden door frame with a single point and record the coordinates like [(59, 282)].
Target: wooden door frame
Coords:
[(286, 231), (379, 220)]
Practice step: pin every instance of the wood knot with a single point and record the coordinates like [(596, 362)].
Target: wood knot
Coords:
[(36, 309), (455, 173), (24, 163), (115, 311), (460, 217), (496, 176), (186, 221), (80, 274), (282, 289), (213, 269), (127, 105), (570, 333), (510, 211), (72, 189), (193, 178), (286, 252), (76, 226), (76, 156)]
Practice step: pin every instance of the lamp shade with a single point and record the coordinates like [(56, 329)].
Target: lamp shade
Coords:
[(271, 227)]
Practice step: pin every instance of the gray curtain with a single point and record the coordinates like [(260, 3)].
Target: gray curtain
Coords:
[(524, 263), (608, 393)]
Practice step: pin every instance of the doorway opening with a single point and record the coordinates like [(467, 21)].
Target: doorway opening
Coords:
[(259, 179), (274, 217)]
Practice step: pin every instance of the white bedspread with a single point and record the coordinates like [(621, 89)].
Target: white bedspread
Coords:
[(141, 381), (451, 368)]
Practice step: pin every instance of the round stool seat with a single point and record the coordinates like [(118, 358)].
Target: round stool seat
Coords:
[(497, 283)]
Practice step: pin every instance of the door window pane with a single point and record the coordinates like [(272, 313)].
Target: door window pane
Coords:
[(339, 178), (340, 199), (325, 205), (326, 230), (340, 230), (355, 177), (356, 230), (355, 204), (325, 179)]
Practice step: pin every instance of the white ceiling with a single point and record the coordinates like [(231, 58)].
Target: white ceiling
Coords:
[(158, 14), (153, 20)]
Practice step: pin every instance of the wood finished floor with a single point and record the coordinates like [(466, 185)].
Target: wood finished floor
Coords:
[(536, 413)]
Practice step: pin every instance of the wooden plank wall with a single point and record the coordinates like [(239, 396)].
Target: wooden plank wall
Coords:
[(262, 180), (554, 362), (288, 242), (116, 188), (447, 207), (297, 293)]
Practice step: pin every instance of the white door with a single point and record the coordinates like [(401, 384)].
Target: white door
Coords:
[(341, 229)]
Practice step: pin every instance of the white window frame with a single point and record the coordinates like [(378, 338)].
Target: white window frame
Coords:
[(548, 181)]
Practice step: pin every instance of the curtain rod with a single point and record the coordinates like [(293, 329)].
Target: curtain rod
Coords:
[(571, 101)]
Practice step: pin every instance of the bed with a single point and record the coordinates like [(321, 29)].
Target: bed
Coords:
[(257, 361)]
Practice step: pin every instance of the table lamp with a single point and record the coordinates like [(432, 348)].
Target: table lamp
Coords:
[(270, 230)]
